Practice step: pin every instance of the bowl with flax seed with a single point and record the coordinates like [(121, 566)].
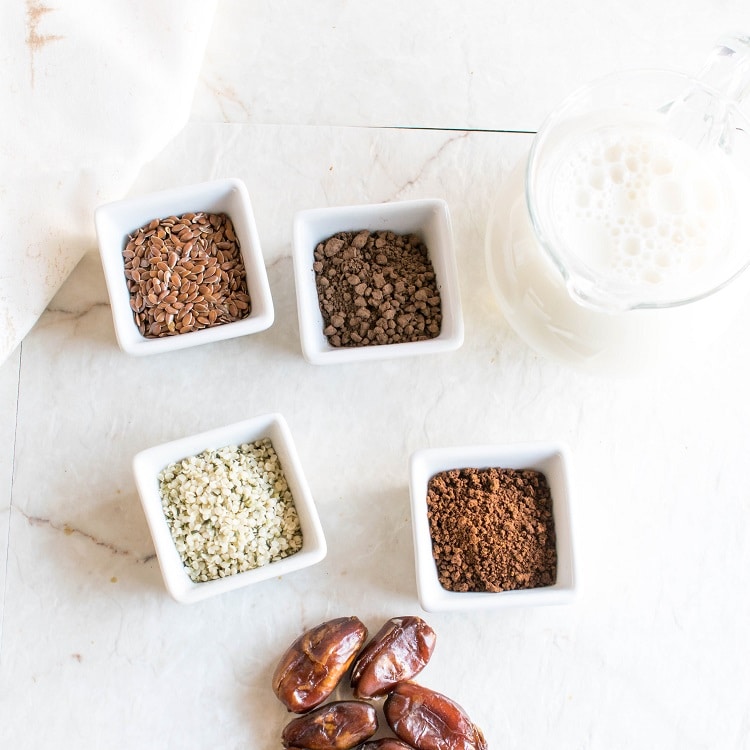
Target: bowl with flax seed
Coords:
[(183, 267), (491, 526)]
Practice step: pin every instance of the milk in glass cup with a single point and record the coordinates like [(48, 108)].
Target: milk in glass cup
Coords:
[(621, 243)]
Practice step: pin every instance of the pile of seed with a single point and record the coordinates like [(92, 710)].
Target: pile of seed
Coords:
[(376, 288), (492, 529), (185, 273), (230, 510)]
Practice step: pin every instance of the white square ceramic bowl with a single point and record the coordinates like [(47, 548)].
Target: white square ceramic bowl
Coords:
[(430, 219), (148, 463), (549, 458), (115, 221)]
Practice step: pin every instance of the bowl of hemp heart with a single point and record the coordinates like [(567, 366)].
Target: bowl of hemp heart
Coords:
[(491, 526), (228, 508), (376, 281), (183, 267)]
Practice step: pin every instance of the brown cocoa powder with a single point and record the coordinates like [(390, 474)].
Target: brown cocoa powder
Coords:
[(376, 288), (492, 529)]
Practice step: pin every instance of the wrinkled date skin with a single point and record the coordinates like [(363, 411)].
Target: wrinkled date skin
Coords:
[(387, 743), (339, 725), (398, 652), (428, 720), (313, 665)]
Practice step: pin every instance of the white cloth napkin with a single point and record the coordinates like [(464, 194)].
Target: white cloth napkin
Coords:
[(91, 91)]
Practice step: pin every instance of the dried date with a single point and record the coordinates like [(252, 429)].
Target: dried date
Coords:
[(428, 720), (398, 652), (387, 743), (339, 725), (311, 668)]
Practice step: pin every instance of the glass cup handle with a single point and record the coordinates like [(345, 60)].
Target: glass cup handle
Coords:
[(727, 69), (705, 116)]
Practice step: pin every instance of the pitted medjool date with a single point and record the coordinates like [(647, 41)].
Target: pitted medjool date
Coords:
[(313, 665), (428, 720), (387, 743), (339, 725), (398, 652)]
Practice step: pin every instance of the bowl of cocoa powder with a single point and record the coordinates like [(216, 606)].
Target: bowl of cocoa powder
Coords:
[(183, 267), (376, 281), (492, 526)]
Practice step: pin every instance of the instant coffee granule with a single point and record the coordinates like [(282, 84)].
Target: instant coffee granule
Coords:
[(376, 288), (492, 529), (185, 273)]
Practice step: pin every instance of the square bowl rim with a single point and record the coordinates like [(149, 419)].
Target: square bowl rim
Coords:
[(375, 217), (426, 462), (113, 225), (144, 467)]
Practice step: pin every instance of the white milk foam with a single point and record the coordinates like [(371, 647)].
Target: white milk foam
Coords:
[(640, 208)]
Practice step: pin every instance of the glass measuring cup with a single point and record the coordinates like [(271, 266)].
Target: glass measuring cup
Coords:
[(622, 240)]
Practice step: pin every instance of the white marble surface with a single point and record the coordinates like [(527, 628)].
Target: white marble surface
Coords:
[(653, 654), (480, 64)]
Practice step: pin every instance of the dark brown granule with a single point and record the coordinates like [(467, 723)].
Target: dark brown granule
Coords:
[(492, 529), (376, 288)]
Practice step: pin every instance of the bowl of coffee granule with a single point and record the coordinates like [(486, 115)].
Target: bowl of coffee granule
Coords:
[(183, 267), (491, 526), (376, 281)]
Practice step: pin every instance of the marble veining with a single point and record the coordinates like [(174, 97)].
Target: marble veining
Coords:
[(68, 530)]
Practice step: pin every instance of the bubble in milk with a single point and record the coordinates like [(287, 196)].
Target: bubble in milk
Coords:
[(634, 203)]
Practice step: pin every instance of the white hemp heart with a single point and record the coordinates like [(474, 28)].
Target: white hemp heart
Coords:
[(230, 510)]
